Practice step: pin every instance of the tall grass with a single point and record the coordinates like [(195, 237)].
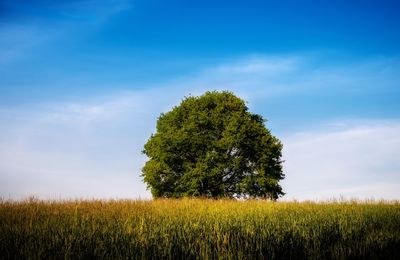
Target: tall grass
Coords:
[(199, 229)]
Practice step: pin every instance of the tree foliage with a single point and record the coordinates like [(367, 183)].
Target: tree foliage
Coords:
[(212, 146)]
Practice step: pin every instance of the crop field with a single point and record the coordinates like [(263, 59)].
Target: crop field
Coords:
[(199, 229)]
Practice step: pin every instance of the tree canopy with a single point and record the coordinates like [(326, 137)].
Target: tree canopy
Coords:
[(212, 146)]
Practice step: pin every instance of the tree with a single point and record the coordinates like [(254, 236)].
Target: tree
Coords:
[(212, 146)]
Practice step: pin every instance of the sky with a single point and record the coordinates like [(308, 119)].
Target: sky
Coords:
[(83, 82)]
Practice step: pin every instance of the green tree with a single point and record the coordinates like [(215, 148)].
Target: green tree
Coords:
[(212, 146)]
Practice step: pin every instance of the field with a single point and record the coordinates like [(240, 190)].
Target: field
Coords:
[(199, 229)]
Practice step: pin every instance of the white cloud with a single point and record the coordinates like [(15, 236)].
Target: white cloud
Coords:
[(254, 65), (258, 78), (357, 161), (21, 38), (91, 147), (85, 149)]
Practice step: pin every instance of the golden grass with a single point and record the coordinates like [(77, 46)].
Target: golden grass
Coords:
[(199, 229)]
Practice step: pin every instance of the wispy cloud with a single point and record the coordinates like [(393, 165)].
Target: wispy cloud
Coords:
[(28, 26), (92, 147), (44, 10), (258, 65), (263, 76), (17, 40), (356, 160), (76, 149)]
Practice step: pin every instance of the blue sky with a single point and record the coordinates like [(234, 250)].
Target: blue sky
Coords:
[(82, 83)]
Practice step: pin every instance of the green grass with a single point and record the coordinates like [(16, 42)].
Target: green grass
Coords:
[(205, 229)]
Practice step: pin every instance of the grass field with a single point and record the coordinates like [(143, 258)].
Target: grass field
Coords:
[(199, 229)]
